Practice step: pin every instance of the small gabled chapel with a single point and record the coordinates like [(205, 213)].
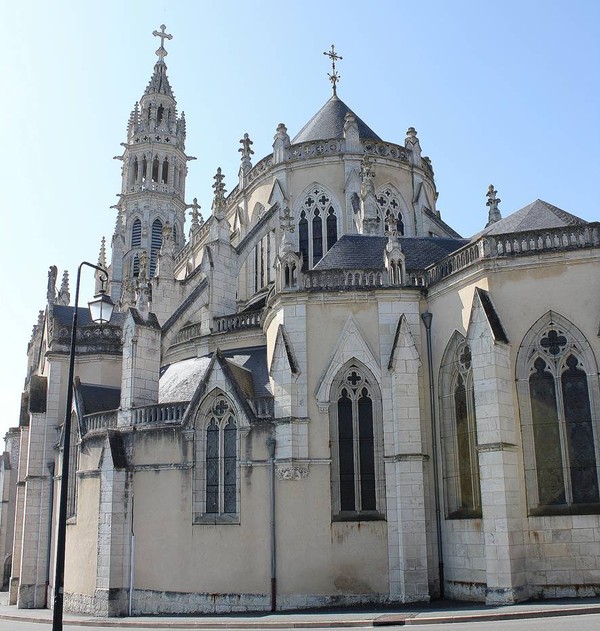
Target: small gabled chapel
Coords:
[(318, 394)]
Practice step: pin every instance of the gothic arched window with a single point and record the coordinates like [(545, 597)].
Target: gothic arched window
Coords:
[(165, 171), (318, 209), (156, 242), (216, 479), (356, 445), (155, 165), (459, 432), (303, 239), (136, 242), (557, 383), (389, 204)]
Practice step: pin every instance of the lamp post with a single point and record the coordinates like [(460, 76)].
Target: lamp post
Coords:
[(101, 308)]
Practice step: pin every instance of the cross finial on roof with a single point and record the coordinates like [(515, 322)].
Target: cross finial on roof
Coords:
[(161, 52), (334, 77)]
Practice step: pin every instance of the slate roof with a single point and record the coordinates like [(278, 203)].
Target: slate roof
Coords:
[(98, 398), (358, 251), (180, 380), (535, 216), (328, 122), (64, 315)]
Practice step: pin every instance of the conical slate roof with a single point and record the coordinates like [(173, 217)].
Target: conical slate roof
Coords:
[(535, 216), (159, 82), (328, 123)]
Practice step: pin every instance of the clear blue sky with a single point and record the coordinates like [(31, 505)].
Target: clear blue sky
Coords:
[(500, 92)]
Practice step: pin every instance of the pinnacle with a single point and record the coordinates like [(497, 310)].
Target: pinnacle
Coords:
[(159, 82)]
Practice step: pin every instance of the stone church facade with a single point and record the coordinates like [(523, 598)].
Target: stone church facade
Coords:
[(319, 395)]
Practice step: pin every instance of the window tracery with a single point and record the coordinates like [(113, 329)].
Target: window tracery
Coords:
[(389, 206), (357, 445), (216, 487), (557, 384), (459, 432), (317, 226)]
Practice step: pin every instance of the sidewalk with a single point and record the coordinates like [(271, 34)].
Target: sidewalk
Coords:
[(437, 612)]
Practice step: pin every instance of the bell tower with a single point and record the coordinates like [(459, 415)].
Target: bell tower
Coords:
[(153, 181)]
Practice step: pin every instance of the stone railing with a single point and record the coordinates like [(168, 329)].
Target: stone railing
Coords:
[(456, 261), (160, 413), (386, 150), (100, 420), (527, 242), (188, 333), (263, 406), (237, 321), (518, 243), (187, 249), (314, 149), (342, 279)]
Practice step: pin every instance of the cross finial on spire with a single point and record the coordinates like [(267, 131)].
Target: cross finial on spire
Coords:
[(161, 52), (334, 77)]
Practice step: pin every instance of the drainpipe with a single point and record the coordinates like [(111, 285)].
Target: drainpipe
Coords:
[(50, 512), (427, 317), (131, 558), (271, 442)]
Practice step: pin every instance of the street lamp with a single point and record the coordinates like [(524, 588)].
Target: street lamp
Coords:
[(101, 308)]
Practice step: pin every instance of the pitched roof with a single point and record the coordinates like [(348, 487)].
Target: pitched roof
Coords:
[(328, 122), (179, 381), (359, 251), (535, 216), (96, 399)]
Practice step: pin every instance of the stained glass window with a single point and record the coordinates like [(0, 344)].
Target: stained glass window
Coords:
[(559, 433), (356, 449), (220, 459), (459, 432), (318, 209)]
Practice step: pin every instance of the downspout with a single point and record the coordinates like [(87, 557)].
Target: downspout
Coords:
[(271, 442), (131, 558), (50, 509), (427, 317)]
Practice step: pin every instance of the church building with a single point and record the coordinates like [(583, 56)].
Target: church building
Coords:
[(319, 394)]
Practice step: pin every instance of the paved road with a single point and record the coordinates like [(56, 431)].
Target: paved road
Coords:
[(563, 623)]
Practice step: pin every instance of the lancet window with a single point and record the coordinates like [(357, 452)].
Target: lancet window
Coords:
[(264, 253), (73, 466), (557, 381), (459, 432), (317, 226), (136, 242), (356, 445), (157, 228), (216, 480)]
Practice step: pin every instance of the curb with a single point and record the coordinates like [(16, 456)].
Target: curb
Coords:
[(400, 619), (410, 620)]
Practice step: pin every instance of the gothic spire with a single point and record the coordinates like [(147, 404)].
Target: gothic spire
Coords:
[(159, 82)]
